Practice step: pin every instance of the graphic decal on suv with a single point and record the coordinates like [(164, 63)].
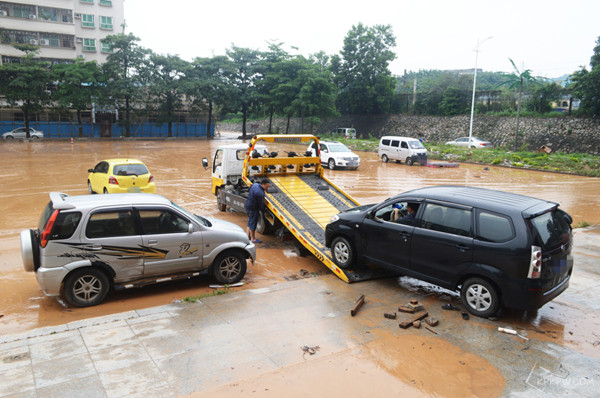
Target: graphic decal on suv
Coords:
[(120, 252), (184, 250)]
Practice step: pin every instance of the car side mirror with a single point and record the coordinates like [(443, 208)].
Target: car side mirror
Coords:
[(205, 163), (90, 170), (190, 228)]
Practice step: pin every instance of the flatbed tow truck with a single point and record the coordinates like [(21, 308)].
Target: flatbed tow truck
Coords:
[(300, 200)]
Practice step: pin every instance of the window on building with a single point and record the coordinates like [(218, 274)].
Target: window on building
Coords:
[(106, 23), (107, 3), (106, 47), (89, 44), (87, 20), (87, 1)]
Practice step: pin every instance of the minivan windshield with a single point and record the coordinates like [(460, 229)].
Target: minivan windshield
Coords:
[(552, 229), (416, 144)]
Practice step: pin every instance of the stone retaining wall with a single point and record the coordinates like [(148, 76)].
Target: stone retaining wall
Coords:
[(561, 134)]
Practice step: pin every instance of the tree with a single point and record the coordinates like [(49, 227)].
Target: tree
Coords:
[(26, 83), (77, 86), (122, 69), (243, 80), (542, 97), (269, 70), (361, 73), (205, 84), (586, 84), (517, 79), (165, 86)]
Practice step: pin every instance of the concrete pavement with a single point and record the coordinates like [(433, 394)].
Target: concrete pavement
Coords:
[(182, 348)]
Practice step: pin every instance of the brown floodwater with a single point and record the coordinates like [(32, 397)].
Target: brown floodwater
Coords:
[(30, 170)]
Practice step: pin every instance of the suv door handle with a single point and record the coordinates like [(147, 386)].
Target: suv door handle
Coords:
[(462, 248), (96, 247), (152, 242)]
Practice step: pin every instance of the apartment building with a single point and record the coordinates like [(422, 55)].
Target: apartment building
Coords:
[(63, 29)]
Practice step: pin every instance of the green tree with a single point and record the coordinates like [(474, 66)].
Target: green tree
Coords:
[(243, 80), (543, 95), (27, 83), (454, 101), (586, 84), (269, 69), (518, 79), (166, 87), (206, 84), (77, 87), (123, 72), (361, 73)]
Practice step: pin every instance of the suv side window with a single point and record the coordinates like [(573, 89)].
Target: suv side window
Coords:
[(110, 224), (494, 227), (162, 221), (447, 219), (65, 225)]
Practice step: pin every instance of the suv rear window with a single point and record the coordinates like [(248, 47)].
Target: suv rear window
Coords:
[(110, 224), (552, 229), (65, 225)]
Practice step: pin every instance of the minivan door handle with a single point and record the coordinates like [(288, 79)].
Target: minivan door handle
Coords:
[(462, 248)]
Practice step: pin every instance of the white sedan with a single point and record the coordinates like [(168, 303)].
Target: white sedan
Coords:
[(19, 133), (475, 142)]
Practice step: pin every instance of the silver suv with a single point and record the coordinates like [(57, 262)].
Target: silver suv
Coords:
[(84, 245)]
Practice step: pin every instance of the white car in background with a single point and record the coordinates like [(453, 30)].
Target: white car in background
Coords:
[(20, 133), (335, 155), (475, 142)]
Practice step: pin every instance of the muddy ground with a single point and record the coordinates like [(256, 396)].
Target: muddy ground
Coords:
[(28, 171)]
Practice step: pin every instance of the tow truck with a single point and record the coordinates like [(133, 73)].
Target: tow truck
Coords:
[(299, 201)]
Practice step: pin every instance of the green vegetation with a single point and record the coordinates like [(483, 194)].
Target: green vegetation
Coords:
[(573, 163), (194, 299)]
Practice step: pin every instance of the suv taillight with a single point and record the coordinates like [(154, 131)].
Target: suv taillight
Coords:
[(535, 264), (48, 228), (151, 178), (113, 180)]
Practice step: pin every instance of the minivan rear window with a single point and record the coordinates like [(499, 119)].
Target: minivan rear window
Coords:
[(494, 227), (552, 229), (385, 142)]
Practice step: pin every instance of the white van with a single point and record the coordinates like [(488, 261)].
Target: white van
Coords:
[(402, 149), (344, 132)]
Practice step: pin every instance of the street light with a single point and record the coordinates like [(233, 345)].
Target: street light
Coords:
[(479, 43)]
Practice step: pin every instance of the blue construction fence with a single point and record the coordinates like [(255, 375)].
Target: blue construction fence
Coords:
[(92, 130)]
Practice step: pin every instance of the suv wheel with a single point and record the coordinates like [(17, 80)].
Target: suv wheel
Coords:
[(331, 164), (384, 158), (479, 297), (342, 252), (86, 287), (229, 267)]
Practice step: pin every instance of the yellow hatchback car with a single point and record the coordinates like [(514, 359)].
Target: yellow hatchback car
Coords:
[(120, 176)]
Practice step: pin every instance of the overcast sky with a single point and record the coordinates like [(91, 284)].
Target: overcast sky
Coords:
[(550, 37)]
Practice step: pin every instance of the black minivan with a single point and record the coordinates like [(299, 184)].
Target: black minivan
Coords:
[(499, 249)]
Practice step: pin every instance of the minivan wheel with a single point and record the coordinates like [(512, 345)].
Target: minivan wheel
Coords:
[(479, 297), (409, 161), (342, 252), (331, 164), (384, 158), (86, 287), (229, 267)]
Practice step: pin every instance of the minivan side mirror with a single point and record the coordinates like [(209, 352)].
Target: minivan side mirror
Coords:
[(205, 163)]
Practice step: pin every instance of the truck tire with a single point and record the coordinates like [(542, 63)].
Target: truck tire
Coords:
[(220, 205)]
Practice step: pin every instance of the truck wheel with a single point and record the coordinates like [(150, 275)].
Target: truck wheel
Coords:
[(229, 267), (479, 297), (409, 161), (262, 226), (342, 252), (220, 205), (86, 287), (331, 164), (384, 158)]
